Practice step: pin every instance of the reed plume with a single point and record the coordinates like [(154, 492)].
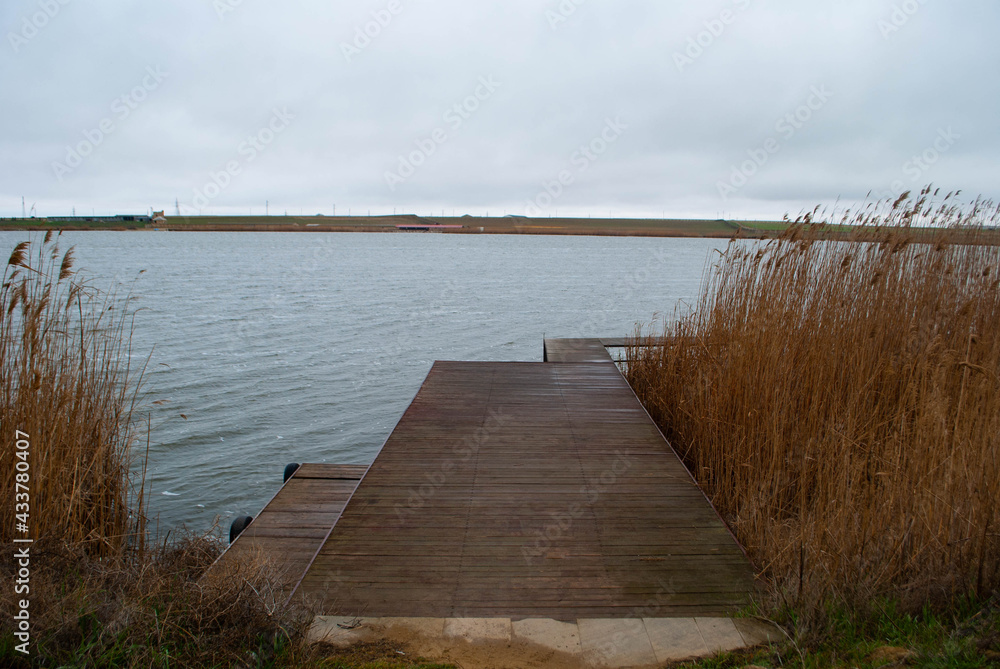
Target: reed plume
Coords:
[(839, 401), (66, 381)]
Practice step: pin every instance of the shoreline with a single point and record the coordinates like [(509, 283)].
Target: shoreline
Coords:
[(507, 225)]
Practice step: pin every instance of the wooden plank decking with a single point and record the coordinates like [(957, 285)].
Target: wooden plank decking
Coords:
[(294, 524), (622, 342), (575, 350), (528, 490)]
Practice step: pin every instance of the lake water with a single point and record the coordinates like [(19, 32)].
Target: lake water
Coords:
[(281, 347)]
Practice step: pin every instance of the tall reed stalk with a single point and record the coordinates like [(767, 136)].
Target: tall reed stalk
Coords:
[(66, 381), (840, 403)]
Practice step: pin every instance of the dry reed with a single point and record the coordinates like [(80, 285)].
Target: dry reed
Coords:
[(66, 381), (99, 595), (840, 403), (160, 610)]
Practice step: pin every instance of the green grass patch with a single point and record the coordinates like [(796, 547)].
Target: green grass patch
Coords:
[(966, 636)]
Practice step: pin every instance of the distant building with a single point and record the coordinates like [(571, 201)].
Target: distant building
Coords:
[(417, 227), (120, 218), (158, 217)]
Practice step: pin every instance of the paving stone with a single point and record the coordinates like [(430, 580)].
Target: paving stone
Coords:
[(675, 639), (610, 643), (478, 629), (757, 632), (552, 634), (327, 629), (720, 634), (615, 643)]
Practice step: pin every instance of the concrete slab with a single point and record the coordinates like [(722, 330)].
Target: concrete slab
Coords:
[(757, 632), (675, 639), (478, 629), (341, 632), (720, 634), (548, 633), (615, 643)]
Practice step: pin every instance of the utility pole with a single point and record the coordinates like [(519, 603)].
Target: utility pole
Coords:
[(177, 206), (24, 212), (267, 205)]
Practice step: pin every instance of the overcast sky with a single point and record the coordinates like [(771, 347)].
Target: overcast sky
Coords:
[(742, 108)]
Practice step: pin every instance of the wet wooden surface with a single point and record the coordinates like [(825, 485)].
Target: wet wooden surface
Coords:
[(622, 342), (528, 490), (575, 350), (291, 528)]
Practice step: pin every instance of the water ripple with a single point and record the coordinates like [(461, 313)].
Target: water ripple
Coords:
[(324, 339)]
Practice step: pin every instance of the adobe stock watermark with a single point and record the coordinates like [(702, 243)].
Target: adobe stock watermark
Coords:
[(562, 13), (121, 108), (899, 17), (665, 595), (455, 117), (463, 453), (714, 28), (560, 524), (635, 282), (34, 23), (582, 159), (787, 127), (370, 31), (224, 7), (22, 526), (248, 151), (253, 326), (917, 167)]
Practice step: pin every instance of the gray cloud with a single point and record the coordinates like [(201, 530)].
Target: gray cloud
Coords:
[(690, 122)]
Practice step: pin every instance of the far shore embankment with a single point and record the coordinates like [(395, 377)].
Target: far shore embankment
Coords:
[(505, 225)]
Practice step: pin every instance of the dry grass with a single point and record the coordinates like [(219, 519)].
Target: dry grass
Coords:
[(840, 404), (160, 610), (65, 380), (99, 596)]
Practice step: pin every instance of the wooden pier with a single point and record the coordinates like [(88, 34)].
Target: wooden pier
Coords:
[(519, 490), (296, 522)]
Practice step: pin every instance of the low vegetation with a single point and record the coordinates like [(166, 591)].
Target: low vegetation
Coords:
[(840, 405), (99, 595), (66, 382), (154, 609)]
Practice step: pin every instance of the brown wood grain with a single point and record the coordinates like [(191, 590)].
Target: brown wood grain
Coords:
[(294, 524), (527, 489)]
